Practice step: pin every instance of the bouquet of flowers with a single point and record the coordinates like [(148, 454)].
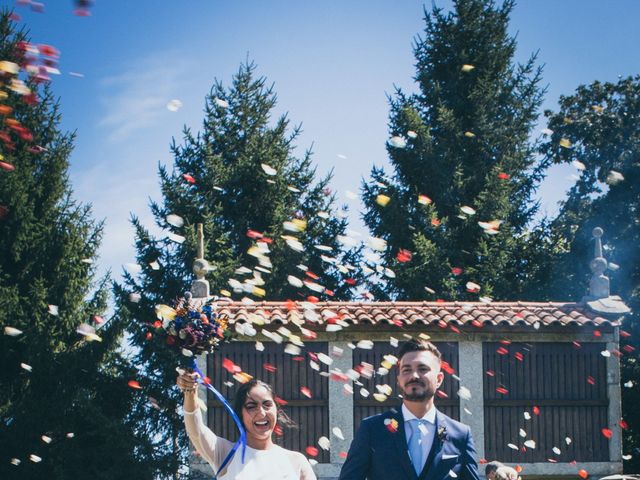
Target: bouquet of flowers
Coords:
[(193, 326)]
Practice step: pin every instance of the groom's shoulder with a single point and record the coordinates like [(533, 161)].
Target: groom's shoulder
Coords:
[(454, 425), (380, 418)]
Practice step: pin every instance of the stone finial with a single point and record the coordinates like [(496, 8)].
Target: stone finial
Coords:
[(599, 283), (600, 299), (200, 286)]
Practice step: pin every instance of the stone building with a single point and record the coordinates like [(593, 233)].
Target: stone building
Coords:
[(538, 383)]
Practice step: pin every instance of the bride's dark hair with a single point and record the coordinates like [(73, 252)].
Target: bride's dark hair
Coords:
[(243, 392)]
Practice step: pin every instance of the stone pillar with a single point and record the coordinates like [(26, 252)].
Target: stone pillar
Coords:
[(615, 399), (471, 376), (340, 404)]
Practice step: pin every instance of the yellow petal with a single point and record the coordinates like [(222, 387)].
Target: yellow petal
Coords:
[(565, 142), (259, 292), (424, 200), (382, 200), (9, 67), (467, 67), (165, 312)]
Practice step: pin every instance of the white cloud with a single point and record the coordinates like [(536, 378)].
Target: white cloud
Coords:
[(136, 99)]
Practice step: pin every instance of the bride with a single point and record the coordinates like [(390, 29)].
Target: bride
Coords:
[(264, 460)]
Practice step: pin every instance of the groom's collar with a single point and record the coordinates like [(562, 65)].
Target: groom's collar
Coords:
[(430, 416)]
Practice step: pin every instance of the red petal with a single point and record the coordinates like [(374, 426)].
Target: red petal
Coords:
[(404, 255), (134, 384), (306, 392), (447, 368), (607, 432), (313, 451), (188, 178), (7, 166), (230, 367)]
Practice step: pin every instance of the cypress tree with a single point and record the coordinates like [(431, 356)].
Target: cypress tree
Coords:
[(272, 232), (597, 130), (456, 207), (63, 399)]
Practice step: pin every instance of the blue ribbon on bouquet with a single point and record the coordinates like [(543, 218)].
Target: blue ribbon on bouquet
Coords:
[(242, 441)]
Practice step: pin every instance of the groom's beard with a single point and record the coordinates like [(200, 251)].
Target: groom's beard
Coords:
[(427, 392)]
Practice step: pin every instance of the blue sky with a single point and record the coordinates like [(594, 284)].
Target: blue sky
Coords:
[(332, 63)]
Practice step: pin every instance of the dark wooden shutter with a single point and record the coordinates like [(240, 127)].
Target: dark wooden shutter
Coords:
[(569, 386), (310, 415), (365, 407)]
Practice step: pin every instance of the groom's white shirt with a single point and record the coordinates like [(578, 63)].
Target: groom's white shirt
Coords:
[(427, 432)]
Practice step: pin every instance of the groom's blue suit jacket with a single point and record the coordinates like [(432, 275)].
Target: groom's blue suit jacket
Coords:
[(380, 453)]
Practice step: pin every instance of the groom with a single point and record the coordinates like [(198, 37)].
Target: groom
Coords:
[(416, 441)]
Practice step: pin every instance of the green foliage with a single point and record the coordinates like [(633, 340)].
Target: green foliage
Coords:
[(599, 127), (467, 144), (49, 243), (241, 179)]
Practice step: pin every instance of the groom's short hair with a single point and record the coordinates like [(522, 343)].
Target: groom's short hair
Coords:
[(418, 346)]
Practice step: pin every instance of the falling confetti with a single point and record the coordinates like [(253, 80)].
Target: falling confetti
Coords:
[(12, 332), (614, 178), (221, 103), (134, 384), (175, 220), (324, 443), (397, 142), (174, 105), (269, 170), (382, 200)]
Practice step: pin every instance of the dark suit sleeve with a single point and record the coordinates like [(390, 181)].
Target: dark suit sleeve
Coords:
[(469, 463), (358, 462)]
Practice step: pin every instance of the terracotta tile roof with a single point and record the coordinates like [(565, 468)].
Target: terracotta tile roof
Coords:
[(337, 315)]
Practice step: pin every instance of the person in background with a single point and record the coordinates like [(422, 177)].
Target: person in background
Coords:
[(255, 404), (506, 473), (491, 468)]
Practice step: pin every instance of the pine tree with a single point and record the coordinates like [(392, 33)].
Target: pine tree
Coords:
[(271, 232), (62, 398), (456, 208), (597, 129)]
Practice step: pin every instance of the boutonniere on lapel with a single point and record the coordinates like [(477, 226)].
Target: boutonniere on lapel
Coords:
[(442, 433), (391, 424)]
